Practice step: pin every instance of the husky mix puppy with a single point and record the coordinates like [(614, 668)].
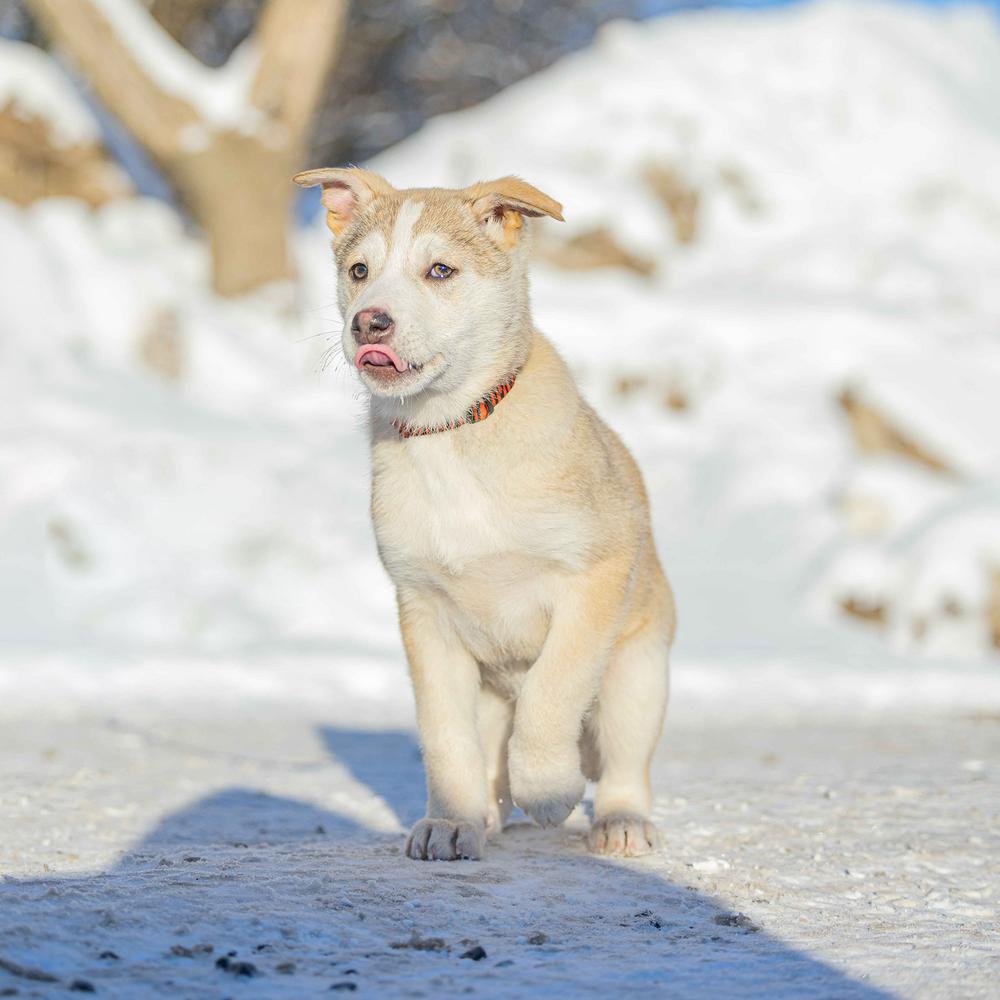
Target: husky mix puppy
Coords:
[(513, 522)]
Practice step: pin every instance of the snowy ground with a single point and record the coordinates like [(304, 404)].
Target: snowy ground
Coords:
[(199, 657), (851, 855)]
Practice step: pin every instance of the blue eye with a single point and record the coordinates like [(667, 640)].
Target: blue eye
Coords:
[(440, 271), (359, 271)]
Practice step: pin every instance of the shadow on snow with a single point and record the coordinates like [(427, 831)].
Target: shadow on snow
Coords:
[(313, 899)]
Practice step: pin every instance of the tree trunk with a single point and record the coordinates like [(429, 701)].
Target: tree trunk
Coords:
[(239, 191), (234, 177)]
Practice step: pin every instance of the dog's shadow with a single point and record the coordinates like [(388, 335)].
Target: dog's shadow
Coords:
[(247, 885), (388, 763)]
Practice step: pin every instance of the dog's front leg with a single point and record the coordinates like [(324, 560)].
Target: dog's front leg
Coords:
[(446, 688), (544, 753)]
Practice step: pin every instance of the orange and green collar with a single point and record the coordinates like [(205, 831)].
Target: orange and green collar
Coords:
[(479, 410)]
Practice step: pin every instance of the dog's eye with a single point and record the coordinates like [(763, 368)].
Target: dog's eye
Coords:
[(359, 271), (440, 271)]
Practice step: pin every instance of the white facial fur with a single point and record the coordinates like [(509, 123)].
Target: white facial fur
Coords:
[(465, 333)]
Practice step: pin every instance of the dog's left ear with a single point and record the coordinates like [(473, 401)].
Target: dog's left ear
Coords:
[(501, 205)]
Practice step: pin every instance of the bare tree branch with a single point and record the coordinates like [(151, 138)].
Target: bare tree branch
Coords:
[(153, 116), (298, 41)]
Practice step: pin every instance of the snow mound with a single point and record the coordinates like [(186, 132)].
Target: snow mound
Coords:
[(842, 164)]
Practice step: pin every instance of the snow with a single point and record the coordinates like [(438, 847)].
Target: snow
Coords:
[(32, 86), (199, 646), (858, 865), (839, 245)]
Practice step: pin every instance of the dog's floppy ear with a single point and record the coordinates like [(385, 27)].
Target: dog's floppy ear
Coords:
[(346, 191), (501, 205)]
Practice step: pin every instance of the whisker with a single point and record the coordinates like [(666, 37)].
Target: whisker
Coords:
[(325, 358)]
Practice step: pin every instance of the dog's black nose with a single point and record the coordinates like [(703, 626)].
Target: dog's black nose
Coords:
[(370, 326)]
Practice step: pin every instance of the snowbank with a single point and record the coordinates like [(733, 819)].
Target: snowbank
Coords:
[(847, 231)]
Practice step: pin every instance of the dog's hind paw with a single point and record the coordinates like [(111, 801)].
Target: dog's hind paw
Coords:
[(551, 812), (549, 790), (445, 840), (626, 835)]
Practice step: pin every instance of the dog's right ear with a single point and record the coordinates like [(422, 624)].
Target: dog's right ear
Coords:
[(346, 192)]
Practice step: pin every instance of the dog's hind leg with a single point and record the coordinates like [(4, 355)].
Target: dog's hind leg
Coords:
[(495, 715), (620, 737)]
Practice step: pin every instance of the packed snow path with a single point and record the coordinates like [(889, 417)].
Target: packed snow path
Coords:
[(855, 857)]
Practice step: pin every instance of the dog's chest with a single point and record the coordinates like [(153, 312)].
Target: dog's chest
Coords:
[(429, 508), (471, 539), (433, 507)]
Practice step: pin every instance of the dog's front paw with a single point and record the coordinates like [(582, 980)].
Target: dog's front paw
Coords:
[(624, 834), (547, 789), (445, 840)]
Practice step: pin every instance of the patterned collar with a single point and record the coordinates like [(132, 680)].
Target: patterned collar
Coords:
[(479, 410)]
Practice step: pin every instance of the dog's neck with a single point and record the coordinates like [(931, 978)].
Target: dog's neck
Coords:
[(450, 407), (480, 410)]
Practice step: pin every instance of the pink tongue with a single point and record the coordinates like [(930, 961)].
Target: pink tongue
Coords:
[(378, 355)]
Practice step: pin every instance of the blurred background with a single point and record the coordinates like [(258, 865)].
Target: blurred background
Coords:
[(797, 206)]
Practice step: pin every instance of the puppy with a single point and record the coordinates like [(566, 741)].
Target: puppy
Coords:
[(514, 524)]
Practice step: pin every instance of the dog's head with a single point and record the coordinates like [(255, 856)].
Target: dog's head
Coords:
[(431, 282)]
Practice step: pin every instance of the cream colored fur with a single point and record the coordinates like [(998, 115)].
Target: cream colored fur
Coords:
[(536, 618)]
